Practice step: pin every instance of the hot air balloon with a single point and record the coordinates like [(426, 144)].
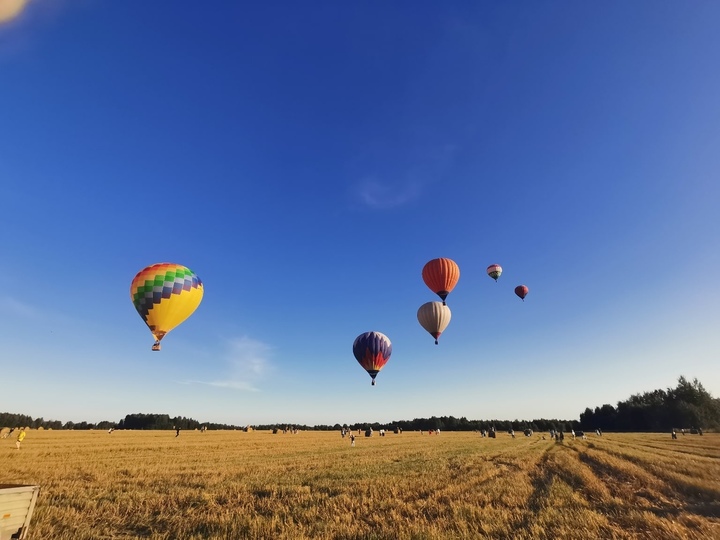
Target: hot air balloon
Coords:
[(521, 291), (164, 295), (434, 317), (494, 271), (372, 350), (441, 276)]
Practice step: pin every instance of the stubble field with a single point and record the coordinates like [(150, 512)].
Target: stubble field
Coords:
[(232, 485)]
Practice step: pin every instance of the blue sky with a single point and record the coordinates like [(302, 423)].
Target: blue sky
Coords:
[(307, 159)]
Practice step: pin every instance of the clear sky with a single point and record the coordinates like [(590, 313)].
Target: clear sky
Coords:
[(306, 159)]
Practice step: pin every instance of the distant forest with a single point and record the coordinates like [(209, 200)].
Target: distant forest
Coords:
[(688, 405)]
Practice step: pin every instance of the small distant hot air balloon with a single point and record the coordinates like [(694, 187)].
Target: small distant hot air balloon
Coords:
[(164, 295), (494, 271), (434, 317), (372, 351), (441, 276), (521, 291)]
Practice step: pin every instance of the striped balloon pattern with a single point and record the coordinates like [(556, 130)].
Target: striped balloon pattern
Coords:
[(494, 271), (372, 350), (165, 295), (441, 276), (434, 317)]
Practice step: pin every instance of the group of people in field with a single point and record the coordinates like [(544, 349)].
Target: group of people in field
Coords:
[(347, 432), (693, 431)]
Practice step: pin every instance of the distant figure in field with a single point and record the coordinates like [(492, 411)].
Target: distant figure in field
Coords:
[(352, 439), (177, 432), (20, 438), (674, 434)]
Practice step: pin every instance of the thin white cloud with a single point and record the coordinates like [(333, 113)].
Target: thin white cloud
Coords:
[(379, 193), (235, 385), (247, 363), (382, 195), (14, 307)]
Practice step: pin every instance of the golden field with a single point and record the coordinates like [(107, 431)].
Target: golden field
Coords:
[(232, 485)]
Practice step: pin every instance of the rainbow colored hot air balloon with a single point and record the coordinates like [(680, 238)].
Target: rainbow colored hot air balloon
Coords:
[(441, 276), (372, 351), (434, 317), (521, 291), (494, 271), (165, 294)]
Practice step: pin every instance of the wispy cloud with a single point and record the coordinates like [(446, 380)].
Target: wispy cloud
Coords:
[(387, 191), (377, 194), (235, 385), (14, 307), (248, 362)]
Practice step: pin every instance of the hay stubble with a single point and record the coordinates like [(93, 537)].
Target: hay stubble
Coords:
[(134, 484)]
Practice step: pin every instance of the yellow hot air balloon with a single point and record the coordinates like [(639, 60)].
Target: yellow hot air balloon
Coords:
[(164, 295)]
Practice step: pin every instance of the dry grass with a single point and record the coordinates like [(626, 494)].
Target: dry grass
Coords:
[(232, 485)]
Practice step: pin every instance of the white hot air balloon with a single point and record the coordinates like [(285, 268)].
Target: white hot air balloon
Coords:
[(434, 317)]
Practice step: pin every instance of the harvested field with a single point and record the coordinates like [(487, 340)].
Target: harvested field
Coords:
[(230, 485)]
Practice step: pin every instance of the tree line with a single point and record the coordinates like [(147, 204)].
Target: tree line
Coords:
[(688, 405)]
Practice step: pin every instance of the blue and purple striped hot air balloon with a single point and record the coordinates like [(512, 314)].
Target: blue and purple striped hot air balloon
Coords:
[(372, 351)]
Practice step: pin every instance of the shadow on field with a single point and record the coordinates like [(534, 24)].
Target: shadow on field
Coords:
[(500, 463), (681, 497), (541, 479)]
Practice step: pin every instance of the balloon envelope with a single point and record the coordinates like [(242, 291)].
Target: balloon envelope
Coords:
[(441, 276), (165, 294), (521, 291), (494, 271), (434, 317), (372, 350)]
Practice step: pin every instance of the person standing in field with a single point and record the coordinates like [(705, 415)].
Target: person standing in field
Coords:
[(177, 432), (352, 439), (20, 438)]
